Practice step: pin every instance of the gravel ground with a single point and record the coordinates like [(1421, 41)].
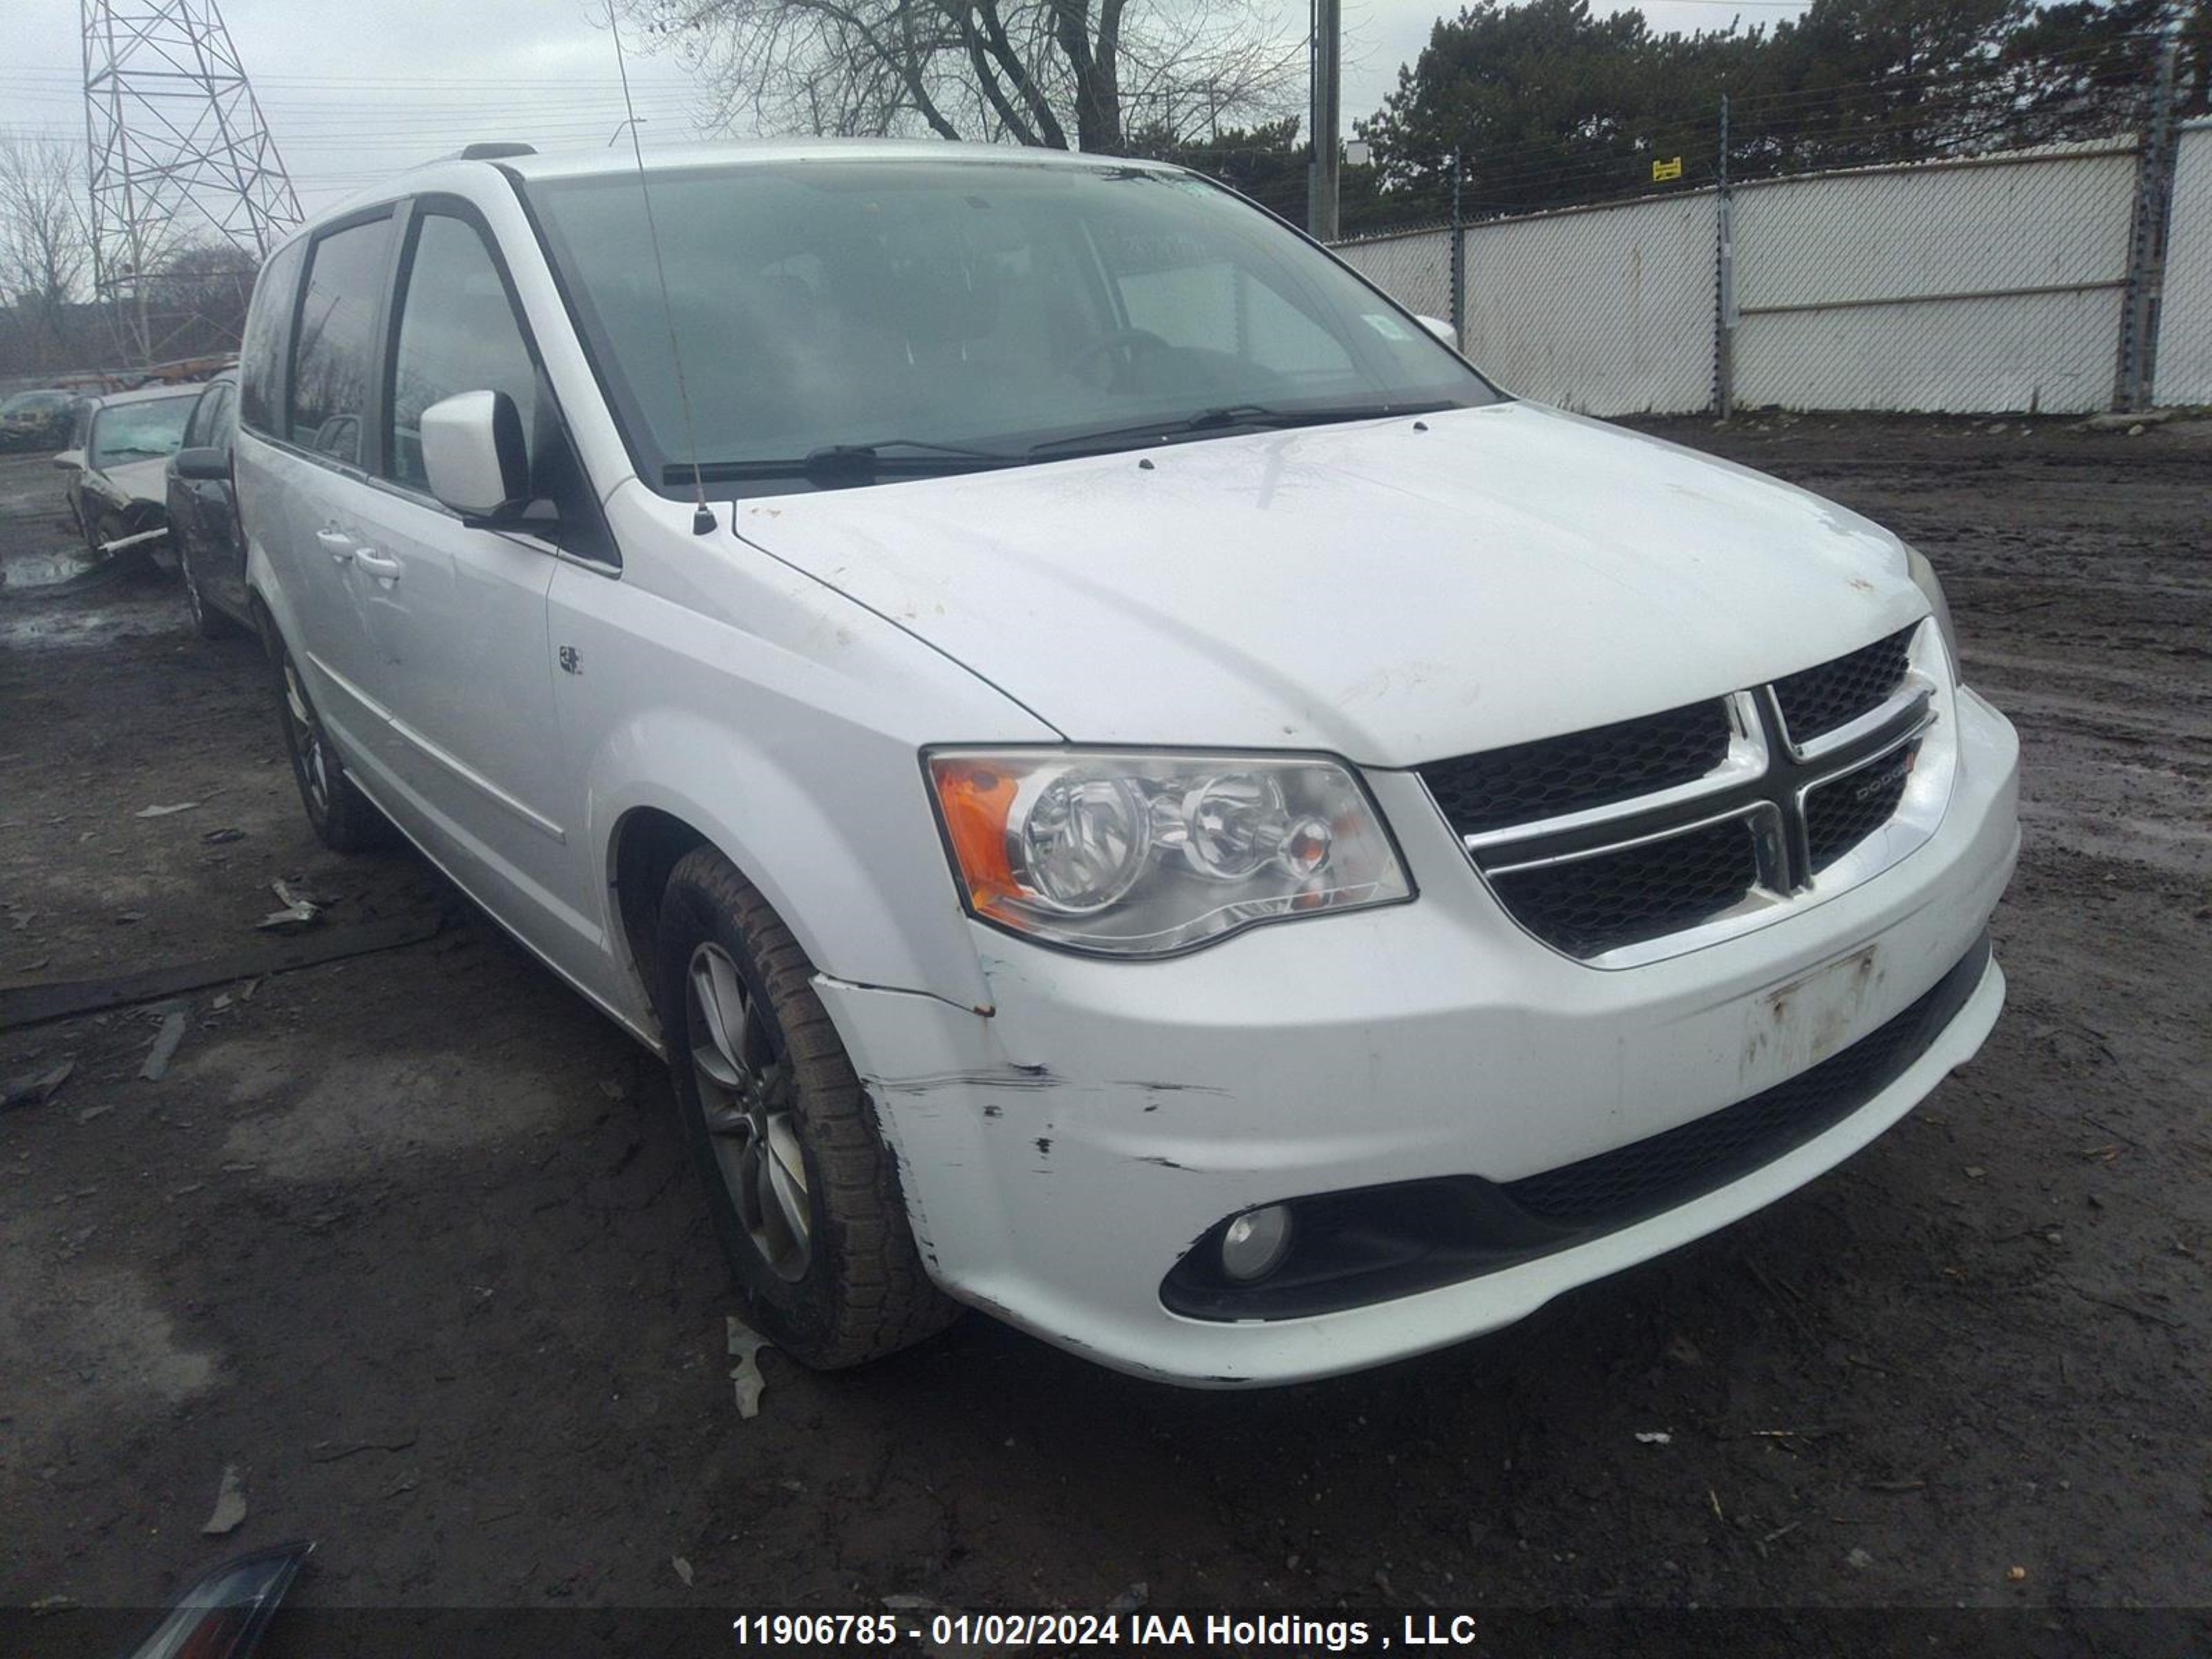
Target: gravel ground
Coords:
[(408, 1243)]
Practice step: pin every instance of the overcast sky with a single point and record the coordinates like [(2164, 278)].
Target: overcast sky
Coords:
[(356, 90)]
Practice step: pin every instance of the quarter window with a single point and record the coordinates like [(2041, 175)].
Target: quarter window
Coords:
[(266, 327), (458, 333), (332, 361)]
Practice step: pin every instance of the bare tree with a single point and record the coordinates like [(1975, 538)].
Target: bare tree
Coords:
[(1058, 73), (46, 246)]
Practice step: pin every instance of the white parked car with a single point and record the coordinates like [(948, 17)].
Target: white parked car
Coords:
[(1134, 789)]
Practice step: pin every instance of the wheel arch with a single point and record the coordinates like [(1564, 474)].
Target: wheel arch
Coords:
[(857, 873)]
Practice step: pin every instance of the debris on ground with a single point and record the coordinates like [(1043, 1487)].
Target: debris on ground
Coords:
[(1654, 1438), (164, 1050), (299, 911), (41, 1001), (1859, 1557), (745, 1343), (223, 836), (164, 812), (38, 1088), (229, 1511), (683, 1568), (1131, 1598)]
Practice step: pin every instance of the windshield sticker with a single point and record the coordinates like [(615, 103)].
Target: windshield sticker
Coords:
[(1388, 327)]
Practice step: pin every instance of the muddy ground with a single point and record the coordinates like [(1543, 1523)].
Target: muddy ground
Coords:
[(407, 1241)]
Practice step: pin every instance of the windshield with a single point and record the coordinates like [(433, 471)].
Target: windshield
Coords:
[(35, 403), (913, 306), (138, 432)]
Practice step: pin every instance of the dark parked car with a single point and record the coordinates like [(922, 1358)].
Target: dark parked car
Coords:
[(204, 529), (35, 420), (118, 462)]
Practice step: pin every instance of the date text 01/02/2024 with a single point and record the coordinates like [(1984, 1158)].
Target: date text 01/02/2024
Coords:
[(1189, 1632)]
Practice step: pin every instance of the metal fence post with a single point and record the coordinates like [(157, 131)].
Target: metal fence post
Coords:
[(2132, 375), (1724, 314), (1458, 256)]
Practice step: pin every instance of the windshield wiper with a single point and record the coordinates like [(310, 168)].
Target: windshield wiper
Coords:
[(843, 461), (1227, 415)]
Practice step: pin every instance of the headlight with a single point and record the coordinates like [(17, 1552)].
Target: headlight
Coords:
[(1923, 578), (1146, 855)]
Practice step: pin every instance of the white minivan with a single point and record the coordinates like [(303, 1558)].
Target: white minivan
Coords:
[(1134, 789)]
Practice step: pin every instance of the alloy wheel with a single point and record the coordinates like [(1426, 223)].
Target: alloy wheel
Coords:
[(747, 1093), (306, 740)]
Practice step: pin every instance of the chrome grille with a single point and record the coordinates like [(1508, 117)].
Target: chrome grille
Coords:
[(1840, 815), (1820, 699), (1554, 776), (1630, 840), (1590, 905)]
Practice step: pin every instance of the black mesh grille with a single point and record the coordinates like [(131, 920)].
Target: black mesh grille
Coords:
[(1820, 699), (1617, 1187), (1838, 816), (1582, 770), (1599, 903)]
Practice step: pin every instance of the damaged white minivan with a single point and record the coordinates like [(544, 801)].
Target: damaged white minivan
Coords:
[(1134, 789)]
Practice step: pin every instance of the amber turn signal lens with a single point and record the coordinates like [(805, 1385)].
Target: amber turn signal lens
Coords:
[(975, 798)]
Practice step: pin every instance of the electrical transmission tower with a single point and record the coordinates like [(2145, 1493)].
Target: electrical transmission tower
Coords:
[(188, 192)]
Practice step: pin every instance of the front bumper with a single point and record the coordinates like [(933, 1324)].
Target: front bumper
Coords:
[(1061, 1155)]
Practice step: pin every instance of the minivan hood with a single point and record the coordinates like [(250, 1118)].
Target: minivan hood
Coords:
[(1393, 591)]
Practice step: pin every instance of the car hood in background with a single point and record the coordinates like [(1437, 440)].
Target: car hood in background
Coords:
[(142, 481), (1390, 593)]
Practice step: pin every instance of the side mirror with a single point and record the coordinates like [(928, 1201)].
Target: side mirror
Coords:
[(1443, 330), (473, 449), (69, 461), (203, 465)]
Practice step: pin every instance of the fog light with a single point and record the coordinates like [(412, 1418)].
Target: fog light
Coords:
[(1253, 1245)]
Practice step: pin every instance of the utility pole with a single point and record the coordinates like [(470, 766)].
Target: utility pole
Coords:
[(180, 158), (1327, 118)]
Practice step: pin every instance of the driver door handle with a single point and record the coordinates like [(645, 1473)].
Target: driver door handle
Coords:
[(378, 565), (337, 544)]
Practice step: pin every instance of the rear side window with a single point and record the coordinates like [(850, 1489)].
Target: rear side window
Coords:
[(267, 327), (334, 357), (456, 333)]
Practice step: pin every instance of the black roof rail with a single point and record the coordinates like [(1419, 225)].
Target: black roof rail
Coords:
[(493, 152)]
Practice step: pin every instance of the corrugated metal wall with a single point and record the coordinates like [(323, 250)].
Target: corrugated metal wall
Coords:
[(2184, 366)]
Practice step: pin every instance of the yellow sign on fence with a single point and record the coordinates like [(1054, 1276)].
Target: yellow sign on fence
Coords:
[(1669, 168)]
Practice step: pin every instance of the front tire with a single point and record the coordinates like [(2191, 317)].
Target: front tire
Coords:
[(341, 815), (208, 622), (803, 1191)]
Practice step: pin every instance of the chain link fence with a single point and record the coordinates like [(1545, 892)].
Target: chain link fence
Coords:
[(1414, 267), (1609, 310), (2058, 278), (2184, 360)]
